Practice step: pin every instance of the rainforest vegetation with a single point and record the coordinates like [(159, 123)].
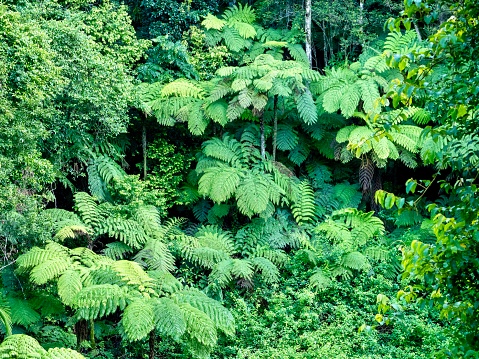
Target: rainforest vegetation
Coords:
[(210, 179)]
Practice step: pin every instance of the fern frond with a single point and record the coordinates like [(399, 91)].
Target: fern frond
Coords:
[(378, 253), (334, 231), (221, 273), (219, 183), (233, 40), (297, 53), (156, 256), (408, 217), (36, 256), (149, 219), (96, 301), (182, 88), (397, 42), (306, 107), (245, 30), (22, 313), (376, 63), (132, 274), (165, 282), (214, 237), (63, 353), (5, 315), (252, 194), (169, 318), (242, 269), (347, 195), (226, 149), (303, 207), (88, 209), (217, 111), (48, 270), (300, 153), (350, 100), (69, 284), (319, 280), (21, 346), (287, 137), (138, 319), (125, 230), (201, 209), (356, 261), (212, 22), (60, 215), (269, 271), (117, 250), (199, 325), (241, 13), (108, 169), (220, 316), (369, 96), (72, 232)]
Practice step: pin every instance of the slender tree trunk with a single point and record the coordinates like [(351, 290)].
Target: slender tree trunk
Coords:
[(151, 343), (418, 32), (143, 140), (325, 45), (262, 139), (92, 334), (307, 30), (275, 126)]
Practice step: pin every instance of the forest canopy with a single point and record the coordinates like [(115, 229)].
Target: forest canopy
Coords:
[(212, 179)]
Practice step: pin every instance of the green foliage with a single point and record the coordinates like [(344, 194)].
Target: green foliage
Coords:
[(230, 168), (24, 347), (355, 237)]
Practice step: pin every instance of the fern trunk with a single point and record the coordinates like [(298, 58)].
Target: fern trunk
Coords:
[(151, 344), (275, 126), (92, 334), (81, 331)]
